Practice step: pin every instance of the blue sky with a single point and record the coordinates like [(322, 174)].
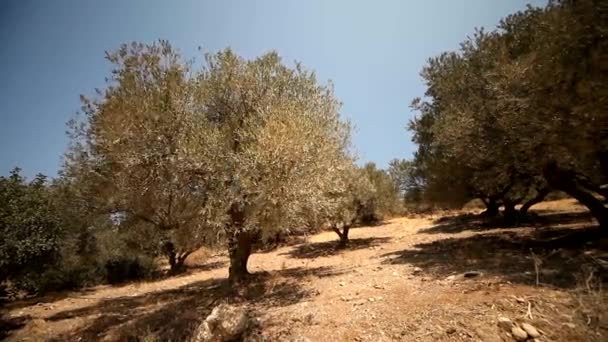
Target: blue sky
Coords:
[(52, 51)]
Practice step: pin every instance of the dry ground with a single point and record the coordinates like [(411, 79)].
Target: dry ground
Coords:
[(398, 281)]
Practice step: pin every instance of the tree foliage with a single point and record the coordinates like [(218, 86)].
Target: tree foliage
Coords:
[(351, 202), (238, 149), (29, 228), (519, 109)]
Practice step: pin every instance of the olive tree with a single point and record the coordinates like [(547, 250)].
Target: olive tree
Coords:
[(147, 152), (512, 112), (350, 201), (236, 151), (283, 144)]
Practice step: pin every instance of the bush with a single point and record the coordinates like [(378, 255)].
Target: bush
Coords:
[(128, 268)]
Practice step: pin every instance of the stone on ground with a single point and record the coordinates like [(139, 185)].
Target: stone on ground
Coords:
[(531, 330), (519, 334), (505, 323), (225, 323)]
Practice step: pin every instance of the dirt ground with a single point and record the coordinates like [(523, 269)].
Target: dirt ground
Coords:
[(402, 280)]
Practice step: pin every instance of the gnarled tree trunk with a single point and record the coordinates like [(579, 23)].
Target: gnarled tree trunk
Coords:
[(540, 196), (509, 212), (239, 250), (176, 259), (342, 234), (491, 207), (566, 180), (239, 244)]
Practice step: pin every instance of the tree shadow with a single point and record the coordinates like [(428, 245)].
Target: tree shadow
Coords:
[(8, 324), (328, 248), (173, 315), (370, 224), (563, 255), (209, 266), (317, 272), (479, 222), (49, 297)]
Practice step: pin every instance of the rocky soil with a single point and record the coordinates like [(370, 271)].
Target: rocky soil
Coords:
[(450, 277)]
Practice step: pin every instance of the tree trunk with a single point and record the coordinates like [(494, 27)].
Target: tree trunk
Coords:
[(343, 235), (172, 260), (239, 250), (491, 207), (239, 244), (567, 182), (337, 231), (510, 211), (540, 196), (344, 240), (176, 261)]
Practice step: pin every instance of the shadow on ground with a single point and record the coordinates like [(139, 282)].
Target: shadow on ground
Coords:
[(313, 250), (8, 324), (206, 267), (49, 297), (174, 314), (564, 254), (480, 222)]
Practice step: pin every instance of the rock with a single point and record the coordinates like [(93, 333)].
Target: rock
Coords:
[(451, 278), (519, 334), (379, 287), (505, 323), (395, 274), (225, 323), (530, 329), (570, 325), (450, 330), (371, 299), (416, 270), (342, 283)]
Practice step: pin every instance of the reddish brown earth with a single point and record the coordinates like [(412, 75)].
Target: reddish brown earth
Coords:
[(398, 281)]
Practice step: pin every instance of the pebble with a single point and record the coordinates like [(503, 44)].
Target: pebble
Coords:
[(371, 299), (519, 334), (505, 323), (531, 330), (342, 283)]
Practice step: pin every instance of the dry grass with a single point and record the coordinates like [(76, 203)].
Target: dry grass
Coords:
[(393, 283)]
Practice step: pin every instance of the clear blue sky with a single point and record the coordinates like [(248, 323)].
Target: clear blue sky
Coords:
[(52, 51)]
